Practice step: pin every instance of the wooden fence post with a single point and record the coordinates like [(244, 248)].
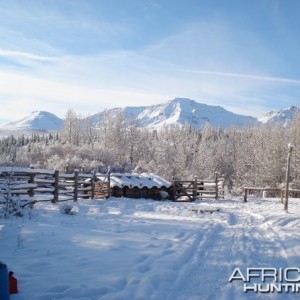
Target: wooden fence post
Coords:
[(245, 195), (174, 188), (31, 180), (76, 172), (281, 196), (93, 185), (290, 146), (55, 192), (217, 187), (195, 189), (108, 183)]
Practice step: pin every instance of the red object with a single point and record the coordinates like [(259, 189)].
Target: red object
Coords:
[(13, 284)]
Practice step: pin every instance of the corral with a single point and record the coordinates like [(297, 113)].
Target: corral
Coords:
[(55, 186)]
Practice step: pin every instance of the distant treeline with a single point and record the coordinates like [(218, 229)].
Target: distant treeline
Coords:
[(253, 156)]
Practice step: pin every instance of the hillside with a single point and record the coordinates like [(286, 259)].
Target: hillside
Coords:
[(37, 121), (181, 111)]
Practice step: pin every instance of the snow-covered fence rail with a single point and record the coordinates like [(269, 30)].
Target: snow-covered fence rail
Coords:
[(211, 188), (248, 190), (190, 190), (279, 191), (34, 185)]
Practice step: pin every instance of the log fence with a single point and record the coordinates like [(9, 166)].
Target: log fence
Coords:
[(34, 185), (249, 190), (52, 185), (278, 191)]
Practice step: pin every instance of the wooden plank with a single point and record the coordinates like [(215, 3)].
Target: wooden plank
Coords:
[(17, 192), (23, 186), (66, 184), (62, 192), (87, 176), (263, 189), (44, 190), (64, 176), (40, 180)]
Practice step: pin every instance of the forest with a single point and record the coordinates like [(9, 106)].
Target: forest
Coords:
[(251, 156)]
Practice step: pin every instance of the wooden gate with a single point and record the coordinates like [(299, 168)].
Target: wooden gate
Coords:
[(190, 190), (184, 190)]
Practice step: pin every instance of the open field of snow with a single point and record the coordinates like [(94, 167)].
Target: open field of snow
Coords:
[(142, 249)]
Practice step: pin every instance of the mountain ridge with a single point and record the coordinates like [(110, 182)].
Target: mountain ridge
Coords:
[(181, 111), (178, 111), (282, 116)]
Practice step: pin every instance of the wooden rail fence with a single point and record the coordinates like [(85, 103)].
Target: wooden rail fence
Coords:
[(34, 185), (278, 191), (52, 185), (190, 190)]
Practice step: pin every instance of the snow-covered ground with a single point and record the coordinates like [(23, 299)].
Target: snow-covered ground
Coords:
[(142, 249)]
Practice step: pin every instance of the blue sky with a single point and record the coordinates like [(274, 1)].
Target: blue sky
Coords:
[(95, 54)]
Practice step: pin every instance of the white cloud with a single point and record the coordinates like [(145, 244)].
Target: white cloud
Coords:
[(245, 76), (28, 93), (26, 55)]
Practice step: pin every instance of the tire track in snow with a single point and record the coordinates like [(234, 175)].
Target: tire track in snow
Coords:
[(241, 242), (192, 277), (255, 244), (266, 242), (281, 249)]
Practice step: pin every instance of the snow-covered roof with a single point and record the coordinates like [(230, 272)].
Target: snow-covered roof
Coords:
[(131, 180)]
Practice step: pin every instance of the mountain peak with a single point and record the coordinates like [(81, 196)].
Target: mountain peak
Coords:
[(37, 120), (183, 101), (184, 111), (293, 108), (282, 116)]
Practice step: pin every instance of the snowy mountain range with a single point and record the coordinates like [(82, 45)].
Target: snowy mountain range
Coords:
[(283, 116), (179, 111)]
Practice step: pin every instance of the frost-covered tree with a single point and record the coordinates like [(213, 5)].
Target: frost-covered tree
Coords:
[(70, 132), (292, 135)]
